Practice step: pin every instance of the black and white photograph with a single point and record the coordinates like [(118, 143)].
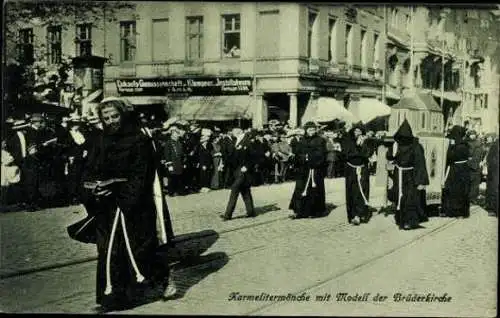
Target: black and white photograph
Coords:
[(249, 158)]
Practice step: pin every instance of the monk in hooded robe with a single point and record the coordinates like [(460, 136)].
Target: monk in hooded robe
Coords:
[(308, 199), (125, 211), (357, 176), (456, 190), (410, 177)]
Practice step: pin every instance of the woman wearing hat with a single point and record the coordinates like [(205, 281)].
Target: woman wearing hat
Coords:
[(456, 187), (308, 198), (357, 181)]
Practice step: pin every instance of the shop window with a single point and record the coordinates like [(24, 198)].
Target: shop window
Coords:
[(26, 51), (231, 26), (332, 36), (54, 44), (84, 39), (194, 39), (312, 35), (127, 40)]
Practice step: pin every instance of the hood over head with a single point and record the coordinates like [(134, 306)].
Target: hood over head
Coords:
[(404, 135), (457, 133)]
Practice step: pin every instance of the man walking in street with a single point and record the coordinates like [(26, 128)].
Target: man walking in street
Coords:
[(243, 161)]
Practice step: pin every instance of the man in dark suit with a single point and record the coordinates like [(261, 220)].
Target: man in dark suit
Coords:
[(243, 161), (227, 148), (173, 160)]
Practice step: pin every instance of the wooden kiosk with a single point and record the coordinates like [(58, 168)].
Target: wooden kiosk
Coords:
[(426, 120)]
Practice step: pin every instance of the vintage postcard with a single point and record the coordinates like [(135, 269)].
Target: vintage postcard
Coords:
[(249, 158)]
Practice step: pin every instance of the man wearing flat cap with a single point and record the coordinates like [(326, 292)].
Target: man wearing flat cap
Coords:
[(37, 163)]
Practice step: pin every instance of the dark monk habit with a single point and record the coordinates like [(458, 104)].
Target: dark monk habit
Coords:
[(357, 178), (456, 198), (308, 199), (410, 177)]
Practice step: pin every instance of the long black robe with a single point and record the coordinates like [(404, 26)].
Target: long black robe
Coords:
[(128, 154), (455, 196), (476, 155), (310, 154), (410, 206), (492, 179), (356, 156)]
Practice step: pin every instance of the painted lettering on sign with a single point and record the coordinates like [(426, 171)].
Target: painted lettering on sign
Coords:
[(198, 86)]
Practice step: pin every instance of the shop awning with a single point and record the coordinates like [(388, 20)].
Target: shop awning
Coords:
[(418, 101), (368, 109), (216, 108), (451, 96), (326, 109)]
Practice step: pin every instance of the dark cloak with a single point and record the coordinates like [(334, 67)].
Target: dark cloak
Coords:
[(356, 155), (409, 154), (456, 191), (310, 154), (126, 154)]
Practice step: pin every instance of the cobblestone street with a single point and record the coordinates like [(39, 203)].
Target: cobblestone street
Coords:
[(270, 254)]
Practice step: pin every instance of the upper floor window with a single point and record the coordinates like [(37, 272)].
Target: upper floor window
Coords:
[(312, 35), (423, 121), (54, 44), (363, 48), (84, 39), (376, 50), (348, 40), (25, 46), (231, 33), (194, 39), (332, 27), (408, 22), (485, 102), (127, 40), (394, 16)]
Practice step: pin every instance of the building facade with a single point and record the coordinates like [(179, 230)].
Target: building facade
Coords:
[(262, 61)]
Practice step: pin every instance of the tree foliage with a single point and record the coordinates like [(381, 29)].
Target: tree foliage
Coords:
[(19, 75)]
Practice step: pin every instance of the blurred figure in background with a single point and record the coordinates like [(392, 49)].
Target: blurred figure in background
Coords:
[(456, 187)]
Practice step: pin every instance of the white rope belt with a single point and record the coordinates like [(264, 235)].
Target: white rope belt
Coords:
[(358, 177), (310, 178), (448, 169), (119, 217), (400, 183)]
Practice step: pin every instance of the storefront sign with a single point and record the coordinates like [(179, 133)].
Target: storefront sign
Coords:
[(206, 86)]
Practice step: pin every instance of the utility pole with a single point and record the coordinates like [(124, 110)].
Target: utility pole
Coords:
[(257, 106), (384, 72)]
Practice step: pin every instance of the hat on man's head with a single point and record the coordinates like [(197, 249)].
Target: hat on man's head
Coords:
[(19, 124), (205, 132), (37, 116), (310, 124)]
